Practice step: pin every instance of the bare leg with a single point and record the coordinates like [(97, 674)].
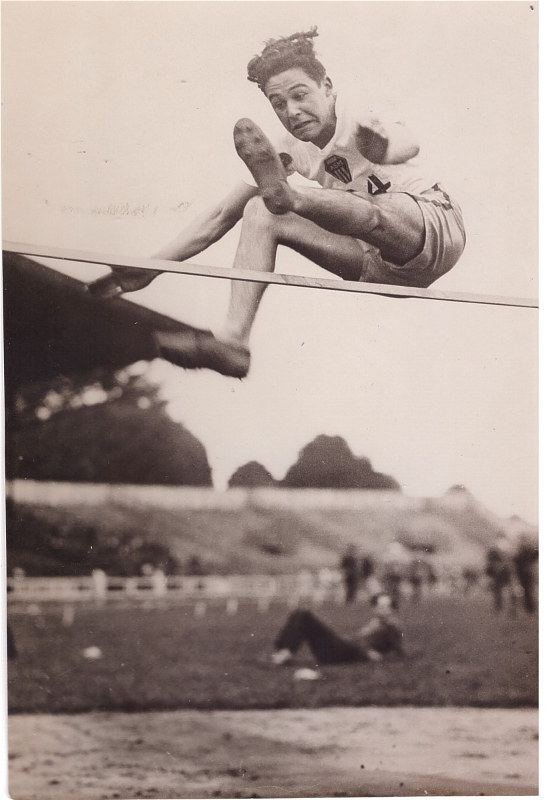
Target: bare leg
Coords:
[(391, 222), (261, 234)]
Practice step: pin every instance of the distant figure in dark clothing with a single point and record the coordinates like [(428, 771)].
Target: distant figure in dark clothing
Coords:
[(524, 561), (351, 574), (392, 579), (367, 568), (470, 578), (499, 570), (432, 578), (381, 636), (12, 650), (395, 569), (194, 566), (417, 575)]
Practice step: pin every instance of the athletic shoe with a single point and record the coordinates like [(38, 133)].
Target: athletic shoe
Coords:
[(307, 674), (265, 165), (373, 655), (281, 656), (198, 349), (119, 281)]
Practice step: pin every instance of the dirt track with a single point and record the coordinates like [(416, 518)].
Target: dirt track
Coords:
[(285, 753)]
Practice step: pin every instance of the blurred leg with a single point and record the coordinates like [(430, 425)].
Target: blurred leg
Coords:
[(12, 649), (326, 646)]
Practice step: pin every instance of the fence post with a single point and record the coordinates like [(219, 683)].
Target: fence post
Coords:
[(68, 615), (232, 606), (159, 582), (263, 603), (200, 608), (100, 583)]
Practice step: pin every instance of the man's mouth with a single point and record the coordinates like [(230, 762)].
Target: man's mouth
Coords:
[(300, 126)]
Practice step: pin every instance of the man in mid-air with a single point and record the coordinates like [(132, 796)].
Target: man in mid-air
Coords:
[(375, 217)]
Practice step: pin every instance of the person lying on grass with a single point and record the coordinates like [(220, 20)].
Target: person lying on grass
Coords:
[(375, 217), (381, 636)]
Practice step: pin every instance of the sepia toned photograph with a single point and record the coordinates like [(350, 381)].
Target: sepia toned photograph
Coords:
[(270, 319)]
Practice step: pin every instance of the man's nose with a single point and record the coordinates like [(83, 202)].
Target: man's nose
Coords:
[(293, 109)]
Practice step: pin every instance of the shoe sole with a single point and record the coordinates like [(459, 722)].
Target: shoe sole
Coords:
[(116, 283), (264, 163), (104, 288)]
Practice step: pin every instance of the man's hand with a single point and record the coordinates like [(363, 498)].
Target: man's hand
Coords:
[(372, 141), (385, 144)]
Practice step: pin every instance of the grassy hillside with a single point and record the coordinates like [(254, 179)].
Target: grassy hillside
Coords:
[(257, 539)]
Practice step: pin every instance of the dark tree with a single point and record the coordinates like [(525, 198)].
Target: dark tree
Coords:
[(251, 474), (45, 542), (105, 428), (328, 463)]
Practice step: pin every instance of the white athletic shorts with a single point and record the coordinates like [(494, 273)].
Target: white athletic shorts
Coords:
[(444, 242)]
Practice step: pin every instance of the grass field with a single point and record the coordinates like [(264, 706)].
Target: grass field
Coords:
[(165, 657)]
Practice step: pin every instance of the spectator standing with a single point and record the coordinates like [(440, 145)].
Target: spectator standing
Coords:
[(417, 576), (367, 568), (350, 569), (11, 648), (470, 576), (524, 561), (499, 568), (394, 570)]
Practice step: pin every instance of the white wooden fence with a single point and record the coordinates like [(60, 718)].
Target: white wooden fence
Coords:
[(304, 585)]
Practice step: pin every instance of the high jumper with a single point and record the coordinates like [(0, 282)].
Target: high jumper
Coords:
[(376, 216)]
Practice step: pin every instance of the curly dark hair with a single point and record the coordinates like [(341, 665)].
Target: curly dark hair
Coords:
[(285, 53)]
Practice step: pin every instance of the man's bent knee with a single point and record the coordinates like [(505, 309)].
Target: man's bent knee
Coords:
[(301, 614), (256, 215), (256, 212)]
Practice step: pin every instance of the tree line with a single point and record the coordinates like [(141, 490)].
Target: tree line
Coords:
[(113, 427)]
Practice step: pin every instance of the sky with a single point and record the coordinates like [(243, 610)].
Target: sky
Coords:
[(117, 125)]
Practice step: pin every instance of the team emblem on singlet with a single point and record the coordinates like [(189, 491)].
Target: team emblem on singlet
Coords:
[(338, 167)]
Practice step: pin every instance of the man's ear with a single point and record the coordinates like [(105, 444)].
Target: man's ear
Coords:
[(328, 86)]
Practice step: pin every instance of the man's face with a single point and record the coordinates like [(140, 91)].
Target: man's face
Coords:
[(384, 605), (305, 108)]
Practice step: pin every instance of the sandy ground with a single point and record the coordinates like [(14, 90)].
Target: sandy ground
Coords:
[(286, 753)]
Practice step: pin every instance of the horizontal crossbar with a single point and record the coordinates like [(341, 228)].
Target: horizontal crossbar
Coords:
[(279, 279)]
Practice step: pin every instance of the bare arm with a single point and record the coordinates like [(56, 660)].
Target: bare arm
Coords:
[(206, 229), (209, 226), (385, 144), (371, 627)]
